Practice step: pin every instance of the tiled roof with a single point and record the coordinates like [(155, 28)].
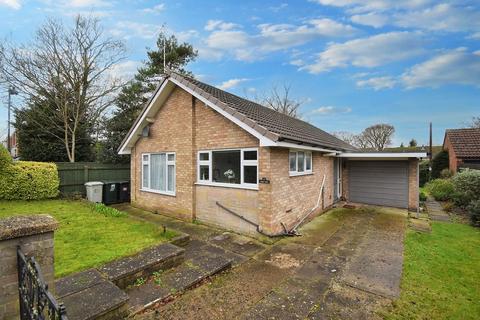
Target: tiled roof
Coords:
[(465, 142), (274, 124)]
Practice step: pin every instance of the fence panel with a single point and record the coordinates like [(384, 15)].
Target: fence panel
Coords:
[(74, 175)]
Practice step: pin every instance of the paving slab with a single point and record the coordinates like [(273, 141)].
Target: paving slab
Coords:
[(435, 210), (77, 282), (196, 248), (125, 271), (420, 225), (103, 300), (236, 243)]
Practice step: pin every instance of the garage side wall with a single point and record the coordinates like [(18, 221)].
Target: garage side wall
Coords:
[(413, 184), (294, 196)]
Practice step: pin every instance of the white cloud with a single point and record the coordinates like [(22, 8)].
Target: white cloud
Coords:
[(378, 83), (232, 83), (442, 17), (454, 67), (474, 36), (220, 25), (88, 3), (125, 70), (368, 52), (228, 38), (370, 19), (13, 4), (326, 110), (130, 29), (357, 6), (155, 9)]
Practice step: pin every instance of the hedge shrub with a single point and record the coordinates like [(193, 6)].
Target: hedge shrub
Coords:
[(441, 189), (5, 158), (473, 210), (439, 162), (467, 186), (25, 180), (424, 173)]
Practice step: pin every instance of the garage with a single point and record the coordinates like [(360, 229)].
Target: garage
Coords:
[(382, 183)]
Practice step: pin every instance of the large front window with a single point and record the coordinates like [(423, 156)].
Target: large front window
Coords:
[(238, 167), (158, 172)]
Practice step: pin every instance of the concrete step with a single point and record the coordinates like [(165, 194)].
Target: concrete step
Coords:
[(88, 295), (161, 287), (124, 272)]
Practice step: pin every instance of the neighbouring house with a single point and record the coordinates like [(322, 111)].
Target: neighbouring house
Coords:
[(198, 152), (13, 144), (463, 146)]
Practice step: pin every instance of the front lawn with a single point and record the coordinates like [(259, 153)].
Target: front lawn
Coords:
[(441, 274), (87, 238)]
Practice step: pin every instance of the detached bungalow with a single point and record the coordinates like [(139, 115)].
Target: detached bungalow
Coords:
[(463, 146), (198, 152)]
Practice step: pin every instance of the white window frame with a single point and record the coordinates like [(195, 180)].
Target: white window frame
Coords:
[(305, 171), (167, 164), (243, 163)]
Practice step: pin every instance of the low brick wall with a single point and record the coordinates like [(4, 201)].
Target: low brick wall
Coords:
[(34, 235)]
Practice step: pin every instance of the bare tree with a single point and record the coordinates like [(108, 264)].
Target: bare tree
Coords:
[(376, 137), (280, 100), (67, 68), (346, 136), (475, 123)]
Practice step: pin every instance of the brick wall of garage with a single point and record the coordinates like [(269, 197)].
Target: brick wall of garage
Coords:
[(413, 201)]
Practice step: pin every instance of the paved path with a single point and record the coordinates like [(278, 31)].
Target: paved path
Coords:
[(346, 265), (435, 210)]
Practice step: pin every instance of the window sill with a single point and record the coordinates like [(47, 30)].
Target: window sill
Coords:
[(227, 185), (171, 194), (299, 174)]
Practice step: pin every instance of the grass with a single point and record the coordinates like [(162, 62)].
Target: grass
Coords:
[(441, 274), (88, 235)]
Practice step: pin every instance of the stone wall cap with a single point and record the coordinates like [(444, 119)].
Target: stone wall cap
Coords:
[(22, 226)]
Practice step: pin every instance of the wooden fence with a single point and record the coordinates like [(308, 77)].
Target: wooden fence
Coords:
[(74, 175)]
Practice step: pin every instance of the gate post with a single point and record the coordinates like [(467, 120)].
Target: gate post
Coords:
[(34, 235)]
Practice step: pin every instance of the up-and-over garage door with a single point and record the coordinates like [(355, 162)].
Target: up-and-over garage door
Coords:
[(379, 182)]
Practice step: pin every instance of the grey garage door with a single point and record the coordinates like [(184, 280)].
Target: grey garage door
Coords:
[(379, 182)]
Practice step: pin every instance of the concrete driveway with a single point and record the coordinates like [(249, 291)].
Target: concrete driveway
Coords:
[(346, 265)]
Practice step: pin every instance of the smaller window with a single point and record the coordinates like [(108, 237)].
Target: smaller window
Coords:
[(204, 156), (300, 162), (250, 155)]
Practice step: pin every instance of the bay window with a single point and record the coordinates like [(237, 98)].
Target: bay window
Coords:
[(300, 162), (235, 168), (158, 172)]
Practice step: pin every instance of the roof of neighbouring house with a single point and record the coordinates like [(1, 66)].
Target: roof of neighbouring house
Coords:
[(279, 127), (465, 142)]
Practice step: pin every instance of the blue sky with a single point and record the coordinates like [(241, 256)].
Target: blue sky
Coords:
[(353, 62)]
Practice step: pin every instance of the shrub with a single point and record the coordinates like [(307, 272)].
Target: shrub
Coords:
[(473, 210), (423, 172), (467, 186), (107, 211), (5, 158), (446, 173), (448, 206), (440, 189), (439, 162), (24, 180), (422, 196)]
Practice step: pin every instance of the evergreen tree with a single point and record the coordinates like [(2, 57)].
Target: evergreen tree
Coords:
[(134, 95), (412, 143)]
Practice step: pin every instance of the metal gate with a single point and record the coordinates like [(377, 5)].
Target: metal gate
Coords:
[(382, 183), (36, 302)]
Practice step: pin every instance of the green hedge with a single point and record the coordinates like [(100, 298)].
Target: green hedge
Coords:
[(25, 180), (441, 189)]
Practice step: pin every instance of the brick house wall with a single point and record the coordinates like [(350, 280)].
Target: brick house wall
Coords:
[(453, 161), (184, 125), (413, 201)]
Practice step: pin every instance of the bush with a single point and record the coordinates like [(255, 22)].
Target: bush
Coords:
[(5, 158), (473, 210), (440, 189), (422, 196), (107, 211), (446, 173), (423, 172), (439, 162), (467, 186), (24, 180)]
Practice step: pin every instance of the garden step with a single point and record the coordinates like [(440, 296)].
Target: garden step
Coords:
[(87, 295), (124, 272), (162, 286)]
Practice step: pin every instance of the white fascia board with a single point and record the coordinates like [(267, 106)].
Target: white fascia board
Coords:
[(264, 141), (303, 147), (124, 149), (385, 155)]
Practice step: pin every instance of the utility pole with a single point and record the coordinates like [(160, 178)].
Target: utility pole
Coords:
[(11, 91), (430, 155)]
